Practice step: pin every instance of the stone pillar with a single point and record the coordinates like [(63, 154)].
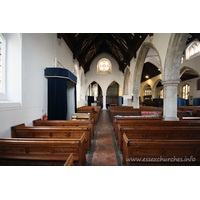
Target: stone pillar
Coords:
[(125, 100), (136, 102), (104, 101), (153, 94), (170, 100)]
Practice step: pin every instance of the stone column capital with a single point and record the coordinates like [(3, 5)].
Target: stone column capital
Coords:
[(171, 82)]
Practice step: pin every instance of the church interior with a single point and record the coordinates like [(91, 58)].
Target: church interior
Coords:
[(120, 65), (99, 99)]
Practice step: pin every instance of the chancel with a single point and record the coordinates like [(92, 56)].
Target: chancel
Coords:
[(111, 99)]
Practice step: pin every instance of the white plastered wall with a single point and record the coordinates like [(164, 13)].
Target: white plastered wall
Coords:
[(36, 52), (82, 101), (104, 80)]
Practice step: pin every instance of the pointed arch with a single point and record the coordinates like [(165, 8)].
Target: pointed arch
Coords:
[(140, 63), (156, 83), (91, 82), (110, 84), (185, 68), (154, 62), (96, 82), (174, 54), (171, 74)]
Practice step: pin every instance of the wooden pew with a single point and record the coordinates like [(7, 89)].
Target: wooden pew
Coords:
[(190, 118), (194, 109), (97, 109), (70, 160), (76, 123), (94, 110), (41, 151), (144, 152), (158, 132), (124, 113), (51, 132), (130, 111), (151, 122), (122, 119)]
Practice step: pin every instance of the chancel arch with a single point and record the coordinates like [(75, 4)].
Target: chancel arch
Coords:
[(114, 94), (94, 93)]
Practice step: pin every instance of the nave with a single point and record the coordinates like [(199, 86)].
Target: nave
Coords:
[(104, 150)]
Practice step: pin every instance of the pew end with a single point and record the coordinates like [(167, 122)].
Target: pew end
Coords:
[(70, 160)]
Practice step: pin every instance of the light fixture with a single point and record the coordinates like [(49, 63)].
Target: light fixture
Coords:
[(146, 76)]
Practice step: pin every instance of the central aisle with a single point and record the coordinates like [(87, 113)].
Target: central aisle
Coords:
[(104, 151)]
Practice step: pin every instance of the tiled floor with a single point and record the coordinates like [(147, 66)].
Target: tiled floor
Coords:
[(104, 150)]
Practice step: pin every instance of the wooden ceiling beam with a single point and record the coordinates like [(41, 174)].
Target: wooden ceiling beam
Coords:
[(81, 43), (121, 48), (85, 50), (196, 35)]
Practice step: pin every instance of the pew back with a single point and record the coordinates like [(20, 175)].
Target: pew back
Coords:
[(158, 132), (77, 123), (51, 132), (160, 152), (20, 150)]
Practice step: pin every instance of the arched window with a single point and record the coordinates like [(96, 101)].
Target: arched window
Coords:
[(147, 91), (186, 91), (104, 66), (161, 94), (193, 50), (11, 90), (2, 64), (198, 84)]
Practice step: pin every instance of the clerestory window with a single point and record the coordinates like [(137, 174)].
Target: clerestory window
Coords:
[(193, 50)]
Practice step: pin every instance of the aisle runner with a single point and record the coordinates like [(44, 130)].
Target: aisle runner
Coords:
[(104, 151)]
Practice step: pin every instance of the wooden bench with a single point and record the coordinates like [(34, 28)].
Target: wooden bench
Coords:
[(76, 123), (41, 151), (97, 109), (81, 116), (70, 160), (190, 118), (158, 132), (51, 132), (130, 111), (195, 110), (94, 110), (118, 120), (150, 122), (160, 152)]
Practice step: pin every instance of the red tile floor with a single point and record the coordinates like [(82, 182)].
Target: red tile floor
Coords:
[(103, 150)]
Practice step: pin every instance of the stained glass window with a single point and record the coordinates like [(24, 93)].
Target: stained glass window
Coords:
[(104, 66)]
